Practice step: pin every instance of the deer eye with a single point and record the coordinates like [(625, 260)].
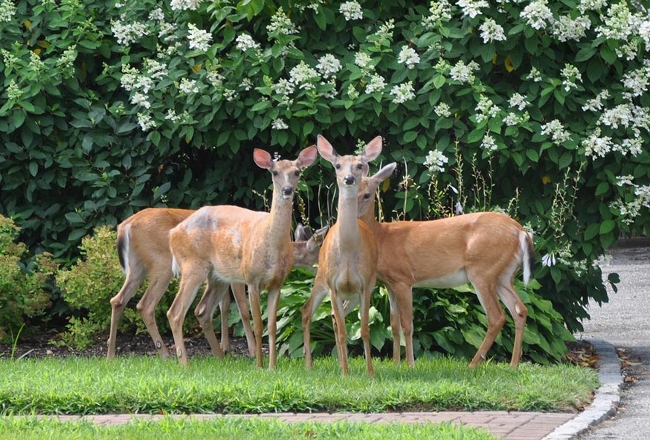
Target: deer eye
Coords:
[(275, 173), (296, 173), (360, 166), (366, 196), (337, 166)]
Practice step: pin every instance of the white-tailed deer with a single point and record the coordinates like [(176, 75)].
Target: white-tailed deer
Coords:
[(143, 250), (483, 248), (347, 263), (229, 244)]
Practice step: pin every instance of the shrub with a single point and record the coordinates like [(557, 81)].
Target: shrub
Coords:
[(22, 283)]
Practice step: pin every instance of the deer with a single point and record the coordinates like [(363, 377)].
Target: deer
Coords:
[(347, 262), (143, 251), (229, 244), (485, 249)]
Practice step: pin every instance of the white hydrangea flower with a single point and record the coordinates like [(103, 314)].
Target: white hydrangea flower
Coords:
[(403, 92), (463, 73), (377, 83), (472, 8), (281, 24), (328, 65), (408, 56), (537, 14), (245, 42), (303, 76), (279, 124), (198, 38), (351, 10), (442, 110), (363, 60), (146, 122), (489, 143), (7, 10), (518, 101), (435, 161), (188, 86), (556, 131), (140, 99), (491, 31), (182, 5)]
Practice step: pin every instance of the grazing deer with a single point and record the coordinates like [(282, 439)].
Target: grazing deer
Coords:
[(483, 248), (143, 250), (347, 263), (229, 244)]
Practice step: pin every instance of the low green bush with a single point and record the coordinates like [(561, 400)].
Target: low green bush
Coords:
[(23, 283)]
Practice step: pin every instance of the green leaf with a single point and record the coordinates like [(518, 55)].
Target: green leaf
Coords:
[(602, 188), (607, 226)]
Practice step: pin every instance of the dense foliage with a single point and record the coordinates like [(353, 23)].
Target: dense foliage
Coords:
[(539, 109)]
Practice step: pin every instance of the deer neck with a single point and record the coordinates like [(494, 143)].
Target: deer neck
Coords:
[(278, 222), (347, 219)]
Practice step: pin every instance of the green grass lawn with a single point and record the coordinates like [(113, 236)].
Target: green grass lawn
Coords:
[(84, 386)]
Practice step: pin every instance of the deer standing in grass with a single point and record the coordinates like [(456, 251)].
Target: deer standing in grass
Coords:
[(229, 244), (143, 250), (347, 263), (483, 248)]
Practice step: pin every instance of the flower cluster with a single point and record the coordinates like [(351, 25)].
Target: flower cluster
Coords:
[(328, 65), (570, 74), (489, 143), (439, 12), (303, 76), (491, 31), (181, 5), (402, 92), (198, 38), (7, 10), (376, 84), (556, 131), (472, 8), (281, 24), (351, 11), (486, 109), (408, 56), (435, 161), (463, 73), (245, 42), (537, 14), (128, 33)]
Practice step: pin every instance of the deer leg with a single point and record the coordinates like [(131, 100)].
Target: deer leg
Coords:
[(318, 292), (365, 329), (273, 298), (519, 312), (224, 310), (133, 280), (340, 333), (495, 316), (395, 325), (191, 280), (147, 307), (258, 326), (204, 312), (239, 291), (404, 297)]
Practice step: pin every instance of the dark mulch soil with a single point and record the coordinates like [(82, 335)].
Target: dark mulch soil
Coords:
[(580, 352), (40, 346)]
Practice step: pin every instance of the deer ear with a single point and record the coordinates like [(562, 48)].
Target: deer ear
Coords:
[(385, 172), (301, 233), (307, 156), (262, 158), (325, 149), (373, 149)]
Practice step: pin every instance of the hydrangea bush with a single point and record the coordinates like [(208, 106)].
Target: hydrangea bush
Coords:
[(538, 109)]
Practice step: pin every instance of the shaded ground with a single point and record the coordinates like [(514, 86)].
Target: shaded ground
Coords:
[(39, 346), (580, 352)]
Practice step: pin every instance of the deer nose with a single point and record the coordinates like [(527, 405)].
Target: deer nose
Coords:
[(287, 190), (349, 180)]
